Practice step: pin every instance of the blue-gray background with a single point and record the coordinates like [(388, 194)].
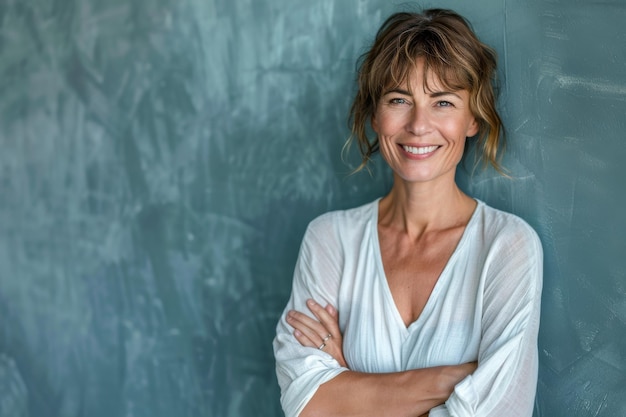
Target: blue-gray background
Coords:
[(160, 159)]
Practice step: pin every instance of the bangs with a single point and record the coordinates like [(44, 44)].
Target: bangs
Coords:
[(439, 63)]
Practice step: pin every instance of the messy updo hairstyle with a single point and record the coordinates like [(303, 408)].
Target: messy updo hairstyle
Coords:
[(447, 46)]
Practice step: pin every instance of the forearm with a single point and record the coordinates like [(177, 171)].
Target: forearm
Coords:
[(410, 393)]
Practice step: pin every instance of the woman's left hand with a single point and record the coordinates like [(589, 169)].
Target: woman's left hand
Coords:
[(323, 334)]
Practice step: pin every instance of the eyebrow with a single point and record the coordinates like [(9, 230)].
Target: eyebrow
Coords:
[(433, 94), (444, 93), (397, 90)]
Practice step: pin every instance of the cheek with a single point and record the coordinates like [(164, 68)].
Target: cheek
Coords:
[(458, 130), (386, 146), (387, 124)]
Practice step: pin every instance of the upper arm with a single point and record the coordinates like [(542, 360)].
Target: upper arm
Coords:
[(300, 370), (505, 380)]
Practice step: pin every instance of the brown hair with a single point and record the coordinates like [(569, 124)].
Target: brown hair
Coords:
[(450, 49)]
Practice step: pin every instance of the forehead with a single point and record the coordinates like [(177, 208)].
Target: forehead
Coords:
[(423, 75)]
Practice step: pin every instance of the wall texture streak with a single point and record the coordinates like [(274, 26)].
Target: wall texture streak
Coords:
[(160, 160)]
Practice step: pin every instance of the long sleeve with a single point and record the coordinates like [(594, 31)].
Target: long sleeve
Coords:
[(506, 378), (484, 307), (301, 370)]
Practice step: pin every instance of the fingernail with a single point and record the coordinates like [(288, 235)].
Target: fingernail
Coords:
[(297, 333), (311, 302)]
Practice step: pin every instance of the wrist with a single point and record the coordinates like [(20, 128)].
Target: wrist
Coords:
[(447, 379)]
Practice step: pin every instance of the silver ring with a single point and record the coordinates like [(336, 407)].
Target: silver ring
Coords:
[(328, 336), (322, 346)]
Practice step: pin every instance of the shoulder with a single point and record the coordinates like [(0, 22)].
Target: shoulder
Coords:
[(331, 238), (342, 221), (506, 235), (511, 256), (498, 226)]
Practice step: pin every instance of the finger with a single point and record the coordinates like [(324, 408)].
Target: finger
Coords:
[(330, 323), (332, 311), (302, 339), (310, 329), (304, 321)]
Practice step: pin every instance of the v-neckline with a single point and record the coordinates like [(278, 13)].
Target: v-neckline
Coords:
[(440, 280)]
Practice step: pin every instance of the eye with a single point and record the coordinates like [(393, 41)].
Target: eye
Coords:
[(397, 100), (444, 103)]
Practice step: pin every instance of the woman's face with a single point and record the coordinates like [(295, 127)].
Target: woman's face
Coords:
[(422, 132)]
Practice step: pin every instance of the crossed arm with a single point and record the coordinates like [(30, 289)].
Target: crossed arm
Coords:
[(409, 393), (322, 383)]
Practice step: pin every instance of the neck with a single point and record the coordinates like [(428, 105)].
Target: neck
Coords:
[(418, 208)]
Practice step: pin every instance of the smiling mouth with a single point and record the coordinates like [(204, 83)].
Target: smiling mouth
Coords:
[(421, 150)]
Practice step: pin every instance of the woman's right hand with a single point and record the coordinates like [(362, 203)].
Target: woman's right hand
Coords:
[(323, 333)]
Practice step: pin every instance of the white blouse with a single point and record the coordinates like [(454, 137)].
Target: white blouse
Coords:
[(485, 306)]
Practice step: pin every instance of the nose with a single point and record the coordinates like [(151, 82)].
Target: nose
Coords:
[(418, 121)]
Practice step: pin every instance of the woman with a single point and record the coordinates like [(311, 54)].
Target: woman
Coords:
[(426, 301)]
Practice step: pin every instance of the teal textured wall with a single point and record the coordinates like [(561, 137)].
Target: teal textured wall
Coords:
[(160, 159)]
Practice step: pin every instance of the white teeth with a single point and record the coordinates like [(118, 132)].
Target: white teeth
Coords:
[(419, 150)]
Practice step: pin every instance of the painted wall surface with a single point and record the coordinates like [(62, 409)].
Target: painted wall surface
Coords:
[(160, 159)]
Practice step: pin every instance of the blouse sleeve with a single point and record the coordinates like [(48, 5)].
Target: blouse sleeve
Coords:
[(505, 382), (301, 370)]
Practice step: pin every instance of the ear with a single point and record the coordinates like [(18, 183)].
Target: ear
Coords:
[(472, 128), (374, 123)]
